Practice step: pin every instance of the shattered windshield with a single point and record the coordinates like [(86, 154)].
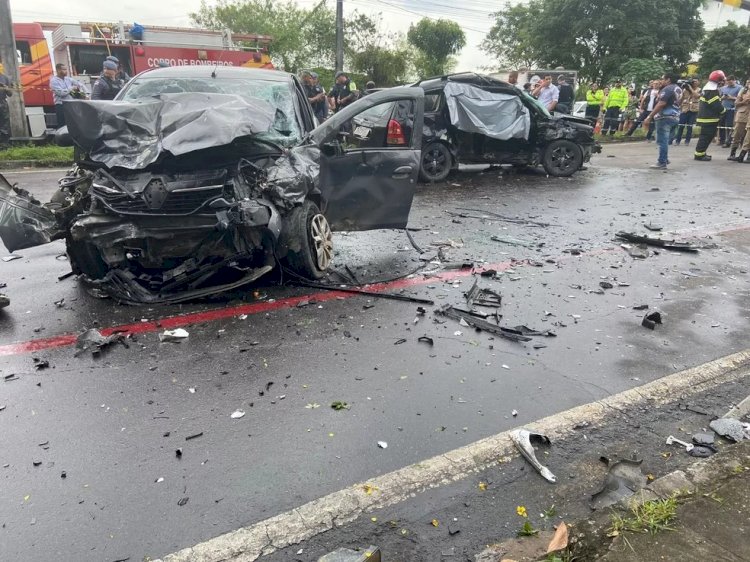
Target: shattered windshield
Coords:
[(285, 130)]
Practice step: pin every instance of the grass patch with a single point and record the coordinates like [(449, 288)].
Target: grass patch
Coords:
[(43, 153), (649, 517)]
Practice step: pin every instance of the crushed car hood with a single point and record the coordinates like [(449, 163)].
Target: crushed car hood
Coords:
[(134, 134)]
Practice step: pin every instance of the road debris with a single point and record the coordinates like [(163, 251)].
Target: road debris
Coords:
[(651, 320), (173, 335), (237, 414), (671, 440), (624, 479), (194, 436), (11, 257), (482, 297), (638, 251), (703, 439), (426, 339), (522, 439), (653, 227), (512, 241), (658, 242), (339, 405), (92, 340), (479, 324), (343, 289), (371, 554), (383, 444)]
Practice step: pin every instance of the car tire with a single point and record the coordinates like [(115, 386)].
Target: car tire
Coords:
[(562, 158), (309, 242), (436, 163)]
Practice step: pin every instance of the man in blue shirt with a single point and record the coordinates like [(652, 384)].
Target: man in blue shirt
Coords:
[(666, 115), (64, 88), (728, 94)]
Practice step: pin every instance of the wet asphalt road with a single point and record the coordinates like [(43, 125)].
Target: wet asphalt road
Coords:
[(113, 424)]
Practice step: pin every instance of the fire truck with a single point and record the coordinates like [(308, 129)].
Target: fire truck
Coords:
[(83, 47)]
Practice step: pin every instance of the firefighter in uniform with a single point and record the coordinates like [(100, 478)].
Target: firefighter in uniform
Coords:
[(741, 115), (710, 111)]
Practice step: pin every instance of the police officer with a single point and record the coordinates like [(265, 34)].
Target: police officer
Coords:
[(107, 86), (710, 111), (343, 93), (121, 74), (315, 93), (6, 90)]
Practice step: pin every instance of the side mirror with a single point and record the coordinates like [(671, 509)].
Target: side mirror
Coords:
[(62, 137)]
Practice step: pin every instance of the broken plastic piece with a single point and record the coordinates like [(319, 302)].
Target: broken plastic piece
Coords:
[(653, 227), (624, 479), (651, 320), (672, 440), (426, 339), (522, 440), (173, 335), (482, 297), (92, 340), (237, 414), (666, 244), (382, 444)]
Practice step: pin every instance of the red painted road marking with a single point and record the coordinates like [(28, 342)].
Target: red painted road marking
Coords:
[(172, 322)]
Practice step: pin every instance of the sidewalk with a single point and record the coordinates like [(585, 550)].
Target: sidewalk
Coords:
[(713, 524)]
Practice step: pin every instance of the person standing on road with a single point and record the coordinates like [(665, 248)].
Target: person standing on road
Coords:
[(315, 94), (64, 88), (648, 101), (547, 93), (121, 74), (728, 95), (594, 98), (6, 90), (666, 114), (691, 96), (616, 102), (343, 93), (741, 114), (107, 86), (710, 111), (566, 97)]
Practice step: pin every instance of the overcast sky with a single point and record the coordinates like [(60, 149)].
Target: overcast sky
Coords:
[(472, 15)]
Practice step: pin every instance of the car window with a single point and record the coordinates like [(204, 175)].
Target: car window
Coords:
[(285, 130), (386, 125), (431, 102)]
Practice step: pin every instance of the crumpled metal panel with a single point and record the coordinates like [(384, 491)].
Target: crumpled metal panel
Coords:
[(24, 222), (133, 134)]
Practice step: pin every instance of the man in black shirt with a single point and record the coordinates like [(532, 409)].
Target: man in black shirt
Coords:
[(315, 93), (343, 93), (107, 86), (567, 96)]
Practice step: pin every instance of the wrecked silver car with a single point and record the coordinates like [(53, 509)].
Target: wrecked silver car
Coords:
[(196, 182)]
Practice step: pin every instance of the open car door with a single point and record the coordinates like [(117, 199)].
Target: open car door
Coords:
[(369, 160)]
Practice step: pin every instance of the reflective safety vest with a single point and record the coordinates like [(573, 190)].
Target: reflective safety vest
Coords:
[(594, 98)]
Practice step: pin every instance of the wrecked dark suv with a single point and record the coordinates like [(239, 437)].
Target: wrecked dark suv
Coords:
[(197, 181), (475, 119)]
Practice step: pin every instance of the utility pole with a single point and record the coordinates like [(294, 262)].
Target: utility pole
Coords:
[(18, 125), (339, 34)]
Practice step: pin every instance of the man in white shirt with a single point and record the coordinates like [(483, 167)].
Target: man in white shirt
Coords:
[(64, 88), (547, 93), (648, 101)]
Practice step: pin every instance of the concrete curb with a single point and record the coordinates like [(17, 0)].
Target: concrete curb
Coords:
[(344, 506), (20, 164)]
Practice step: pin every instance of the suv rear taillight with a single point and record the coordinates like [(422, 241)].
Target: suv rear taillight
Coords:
[(395, 133)]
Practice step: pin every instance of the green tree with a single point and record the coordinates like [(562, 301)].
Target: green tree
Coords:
[(726, 48), (386, 67), (436, 42), (640, 71), (512, 38), (373, 52), (301, 37), (596, 37)]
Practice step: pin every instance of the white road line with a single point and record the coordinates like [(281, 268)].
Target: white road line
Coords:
[(342, 507)]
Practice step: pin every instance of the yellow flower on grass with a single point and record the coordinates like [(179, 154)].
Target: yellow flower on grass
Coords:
[(521, 510)]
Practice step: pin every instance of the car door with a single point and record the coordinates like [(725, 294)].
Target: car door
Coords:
[(369, 160)]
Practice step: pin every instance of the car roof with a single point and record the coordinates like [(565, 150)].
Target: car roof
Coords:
[(198, 71), (473, 78)]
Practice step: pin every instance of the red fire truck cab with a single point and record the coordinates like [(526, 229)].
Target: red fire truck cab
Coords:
[(84, 46)]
